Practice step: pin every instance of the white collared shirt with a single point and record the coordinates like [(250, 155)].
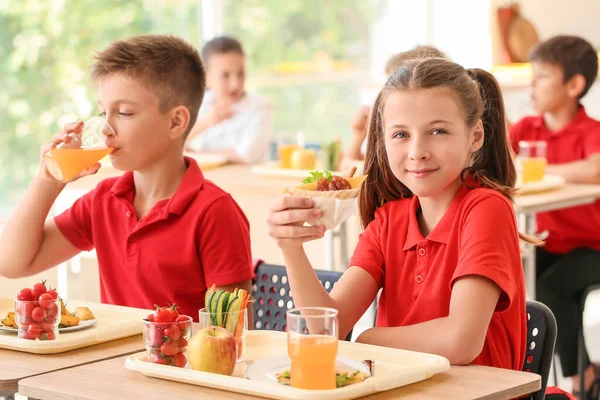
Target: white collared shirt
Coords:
[(248, 131)]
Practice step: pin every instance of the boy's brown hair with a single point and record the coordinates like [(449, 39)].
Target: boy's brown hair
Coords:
[(166, 65), (418, 52), (221, 45), (574, 55)]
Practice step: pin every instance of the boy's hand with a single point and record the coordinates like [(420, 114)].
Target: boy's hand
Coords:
[(286, 222), (359, 122), (63, 137)]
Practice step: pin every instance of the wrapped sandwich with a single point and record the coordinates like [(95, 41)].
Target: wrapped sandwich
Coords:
[(335, 195)]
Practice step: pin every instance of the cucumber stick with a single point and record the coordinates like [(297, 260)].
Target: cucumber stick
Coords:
[(213, 306), (221, 307)]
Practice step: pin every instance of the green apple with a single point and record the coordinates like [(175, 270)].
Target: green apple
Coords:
[(212, 349)]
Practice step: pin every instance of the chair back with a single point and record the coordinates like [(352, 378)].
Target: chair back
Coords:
[(541, 338), (273, 297)]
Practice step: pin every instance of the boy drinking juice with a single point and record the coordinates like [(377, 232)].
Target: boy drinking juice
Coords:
[(564, 69), (162, 233)]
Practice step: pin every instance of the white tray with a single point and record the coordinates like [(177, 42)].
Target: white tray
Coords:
[(392, 368), (206, 161), (113, 322), (272, 169), (550, 182)]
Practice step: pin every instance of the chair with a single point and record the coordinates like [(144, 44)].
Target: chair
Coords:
[(271, 290), (541, 338)]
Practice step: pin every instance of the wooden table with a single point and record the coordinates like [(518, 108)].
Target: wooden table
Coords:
[(527, 206), (111, 380), (16, 365)]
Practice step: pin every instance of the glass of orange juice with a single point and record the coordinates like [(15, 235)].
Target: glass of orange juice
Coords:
[(67, 160), (312, 347), (532, 160), (285, 154)]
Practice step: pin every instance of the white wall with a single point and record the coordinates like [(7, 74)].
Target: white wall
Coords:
[(402, 25), (454, 26), (461, 28)]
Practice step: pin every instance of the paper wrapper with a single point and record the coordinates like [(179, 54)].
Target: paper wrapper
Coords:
[(336, 205), (335, 211)]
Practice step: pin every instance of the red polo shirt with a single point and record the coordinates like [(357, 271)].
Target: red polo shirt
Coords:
[(188, 242), (476, 236), (568, 228)]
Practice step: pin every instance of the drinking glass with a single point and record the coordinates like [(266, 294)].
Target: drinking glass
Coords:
[(67, 160), (313, 347), (532, 160)]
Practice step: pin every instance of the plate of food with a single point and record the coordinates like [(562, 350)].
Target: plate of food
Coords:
[(81, 318), (335, 195), (277, 370)]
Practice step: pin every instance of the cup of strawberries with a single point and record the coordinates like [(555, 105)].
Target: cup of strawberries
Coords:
[(166, 334)]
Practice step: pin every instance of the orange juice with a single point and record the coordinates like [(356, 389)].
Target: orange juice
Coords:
[(65, 164), (285, 154), (533, 169), (313, 361)]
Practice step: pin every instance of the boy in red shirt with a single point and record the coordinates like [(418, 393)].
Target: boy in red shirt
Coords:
[(564, 68), (161, 232), (440, 236)]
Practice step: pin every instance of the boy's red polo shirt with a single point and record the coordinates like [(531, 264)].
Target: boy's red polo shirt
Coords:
[(573, 227), (182, 246), (476, 236)]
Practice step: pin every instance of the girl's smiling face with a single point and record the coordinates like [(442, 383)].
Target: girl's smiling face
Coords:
[(427, 140)]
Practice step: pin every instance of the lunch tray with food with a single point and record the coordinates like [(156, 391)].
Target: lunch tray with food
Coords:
[(82, 324), (361, 370)]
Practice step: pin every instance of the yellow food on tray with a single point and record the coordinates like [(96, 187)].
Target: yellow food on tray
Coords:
[(67, 321), (63, 308), (10, 320), (83, 313), (342, 378)]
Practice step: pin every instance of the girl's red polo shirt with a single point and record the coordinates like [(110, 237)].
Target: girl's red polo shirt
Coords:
[(476, 236)]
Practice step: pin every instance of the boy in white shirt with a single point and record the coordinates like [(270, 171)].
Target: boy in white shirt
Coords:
[(231, 121)]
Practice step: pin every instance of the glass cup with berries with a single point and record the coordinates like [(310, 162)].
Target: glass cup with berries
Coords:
[(166, 334), (37, 313)]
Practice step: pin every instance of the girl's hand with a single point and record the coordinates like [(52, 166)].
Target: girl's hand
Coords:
[(286, 222)]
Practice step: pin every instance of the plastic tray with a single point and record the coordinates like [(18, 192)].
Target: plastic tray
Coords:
[(114, 322), (392, 368), (273, 170), (550, 182)]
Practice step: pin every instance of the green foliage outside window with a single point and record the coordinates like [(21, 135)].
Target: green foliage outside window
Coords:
[(306, 56)]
